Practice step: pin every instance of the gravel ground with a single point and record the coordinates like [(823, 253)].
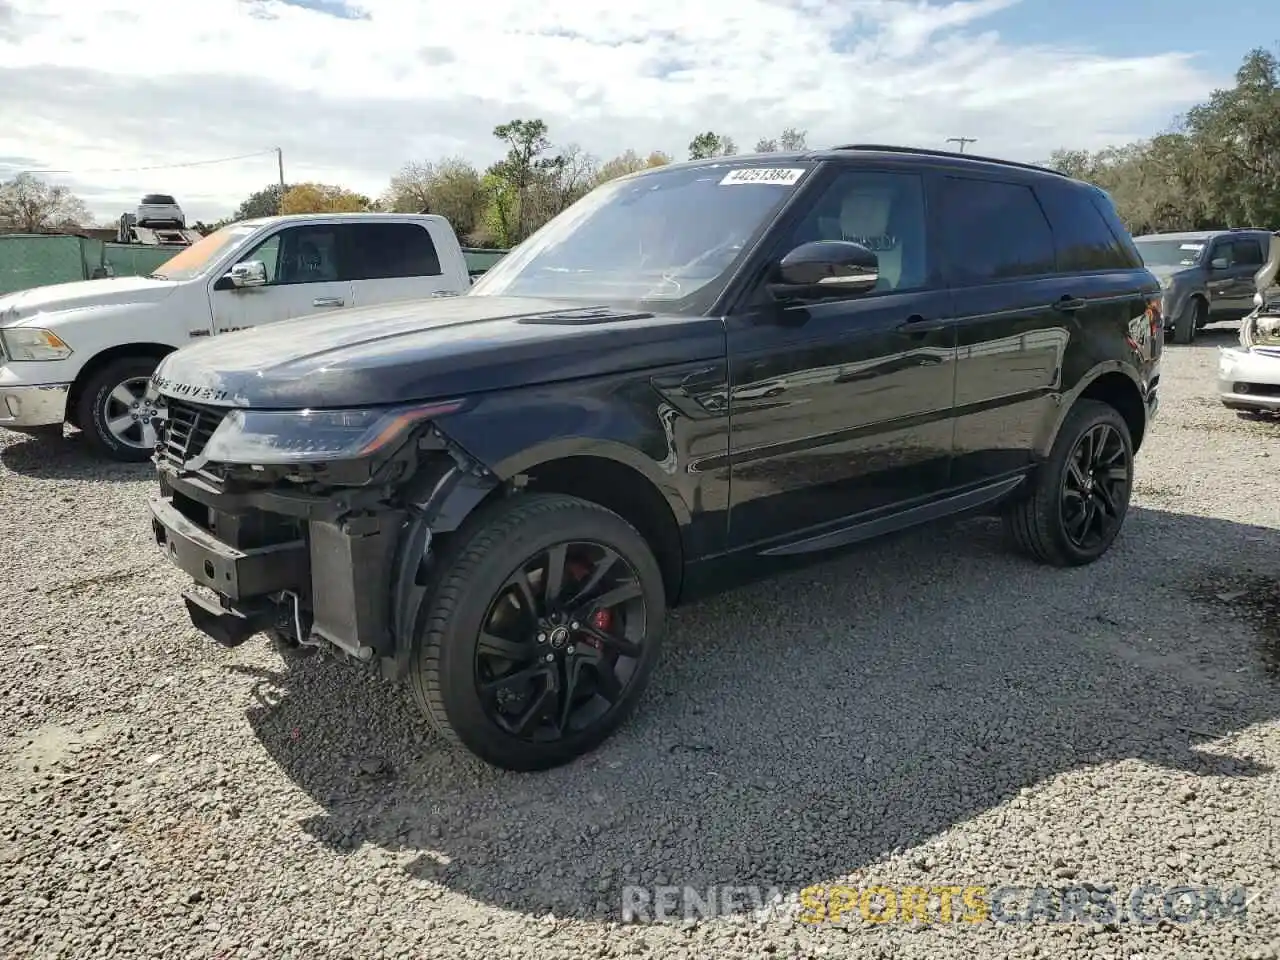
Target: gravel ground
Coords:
[(929, 712)]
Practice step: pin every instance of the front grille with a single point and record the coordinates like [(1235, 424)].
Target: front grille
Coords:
[(186, 429)]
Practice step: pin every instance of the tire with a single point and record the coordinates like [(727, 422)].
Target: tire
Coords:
[(1040, 523), (449, 662), (101, 402), (1194, 315)]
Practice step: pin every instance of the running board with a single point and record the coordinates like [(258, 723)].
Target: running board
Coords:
[(894, 522)]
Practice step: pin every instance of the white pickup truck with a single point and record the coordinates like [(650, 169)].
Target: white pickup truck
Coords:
[(81, 353)]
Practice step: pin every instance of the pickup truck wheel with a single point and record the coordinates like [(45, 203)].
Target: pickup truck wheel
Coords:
[(542, 632), (1080, 496), (1194, 315), (115, 418)]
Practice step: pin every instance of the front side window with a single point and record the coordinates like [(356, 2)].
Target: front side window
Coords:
[(1246, 253), (668, 238), (306, 254), (884, 212), (993, 231)]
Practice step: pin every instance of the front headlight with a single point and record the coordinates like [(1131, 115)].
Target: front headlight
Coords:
[(33, 343), (250, 437)]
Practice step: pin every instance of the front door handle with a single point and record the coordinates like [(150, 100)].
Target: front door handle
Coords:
[(918, 324), (1069, 304), (327, 302)]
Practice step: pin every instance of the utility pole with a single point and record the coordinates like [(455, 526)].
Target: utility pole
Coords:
[(280, 165), (960, 140)]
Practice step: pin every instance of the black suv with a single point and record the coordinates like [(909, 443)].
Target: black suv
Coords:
[(698, 374), (1206, 275)]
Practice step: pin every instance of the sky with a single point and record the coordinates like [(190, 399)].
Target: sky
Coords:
[(351, 90)]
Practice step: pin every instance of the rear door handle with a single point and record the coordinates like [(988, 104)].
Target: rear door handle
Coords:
[(327, 302), (918, 324), (1069, 304)]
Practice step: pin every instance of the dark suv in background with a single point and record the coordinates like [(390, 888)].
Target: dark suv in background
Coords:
[(698, 374), (1206, 275)]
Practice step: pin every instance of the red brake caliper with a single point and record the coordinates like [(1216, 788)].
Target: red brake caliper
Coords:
[(602, 620)]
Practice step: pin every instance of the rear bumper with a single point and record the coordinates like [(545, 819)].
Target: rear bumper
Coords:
[(1248, 380), (34, 405)]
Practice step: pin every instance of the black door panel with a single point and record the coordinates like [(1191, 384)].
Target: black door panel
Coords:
[(837, 409)]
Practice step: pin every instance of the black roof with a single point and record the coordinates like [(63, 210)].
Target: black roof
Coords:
[(872, 150)]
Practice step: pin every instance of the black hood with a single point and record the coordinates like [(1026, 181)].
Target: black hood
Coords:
[(430, 349)]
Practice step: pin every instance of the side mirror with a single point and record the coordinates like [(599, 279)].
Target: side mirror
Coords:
[(1219, 263), (826, 268), (249, 273)]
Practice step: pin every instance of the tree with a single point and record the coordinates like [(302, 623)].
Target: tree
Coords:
[(629, 162), (790, 140), (261, 203), (451, 188), (30, 205), (323, 198), (1217, 167), (711, 144)]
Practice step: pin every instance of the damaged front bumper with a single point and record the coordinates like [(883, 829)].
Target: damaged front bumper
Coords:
[(343, 567), (1249, 375)]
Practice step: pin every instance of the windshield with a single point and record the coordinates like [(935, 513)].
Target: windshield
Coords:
[(196, 258), (1170, 253), (663, 236)]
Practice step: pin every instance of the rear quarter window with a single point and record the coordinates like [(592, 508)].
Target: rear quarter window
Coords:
[(1106, 209), (1083, 239)]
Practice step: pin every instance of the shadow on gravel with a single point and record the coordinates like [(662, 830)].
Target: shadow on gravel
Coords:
[(802, 729), (64, 458)]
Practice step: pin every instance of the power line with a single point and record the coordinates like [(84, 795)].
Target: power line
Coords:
[(165, 166)]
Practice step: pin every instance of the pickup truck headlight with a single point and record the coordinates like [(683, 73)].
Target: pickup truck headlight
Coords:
[(33, 343), (249, 437)]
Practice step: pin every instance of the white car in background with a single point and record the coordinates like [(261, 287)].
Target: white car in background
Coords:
[(160, 209), (1249, 375)]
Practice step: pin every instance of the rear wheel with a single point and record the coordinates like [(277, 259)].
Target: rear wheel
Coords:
[(116, 419), (542, 632), (1080, 496)]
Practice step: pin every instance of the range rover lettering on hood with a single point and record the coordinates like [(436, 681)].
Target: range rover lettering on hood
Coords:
[(188, 391)]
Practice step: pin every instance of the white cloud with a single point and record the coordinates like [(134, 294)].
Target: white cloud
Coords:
[(94, 87)]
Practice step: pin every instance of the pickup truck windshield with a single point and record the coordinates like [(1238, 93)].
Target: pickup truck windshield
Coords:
[(195, 259), (662, 236), (1170, 253)]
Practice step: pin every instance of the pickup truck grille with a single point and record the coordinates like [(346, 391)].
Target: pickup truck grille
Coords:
[(187, 429)]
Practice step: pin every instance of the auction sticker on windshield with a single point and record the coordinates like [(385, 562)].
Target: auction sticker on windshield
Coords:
[(780, 175)]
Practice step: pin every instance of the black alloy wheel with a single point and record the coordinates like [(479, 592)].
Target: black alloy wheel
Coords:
[(1095, 488), (561, 641), (531, 664), (1076, 502)]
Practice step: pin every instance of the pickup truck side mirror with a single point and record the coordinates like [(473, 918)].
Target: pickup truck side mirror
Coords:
[(1219, 263), (249, 273), (826, 268)]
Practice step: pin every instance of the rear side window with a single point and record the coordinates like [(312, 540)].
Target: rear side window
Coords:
[(380, 251), (993, 231), (1083, 240), (1107, 210)]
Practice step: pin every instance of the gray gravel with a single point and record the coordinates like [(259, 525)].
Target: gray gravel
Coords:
[(932, 711)]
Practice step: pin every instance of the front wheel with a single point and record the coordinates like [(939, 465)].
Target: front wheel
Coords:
[(541, 633), (1194, 315), (1080, 495), (113, 413)]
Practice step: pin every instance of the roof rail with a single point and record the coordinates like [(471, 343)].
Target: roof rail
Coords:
[(923, 151)]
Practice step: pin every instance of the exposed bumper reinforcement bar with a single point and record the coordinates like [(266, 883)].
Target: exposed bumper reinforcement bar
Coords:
[(236, 574)]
